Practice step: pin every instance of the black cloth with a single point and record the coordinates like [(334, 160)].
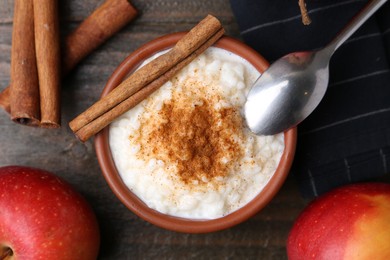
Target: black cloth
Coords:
[(347, 138)]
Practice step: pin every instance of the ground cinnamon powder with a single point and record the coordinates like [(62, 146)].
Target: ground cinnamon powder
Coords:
[(194, 136)]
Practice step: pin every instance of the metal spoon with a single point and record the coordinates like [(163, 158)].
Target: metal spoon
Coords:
[(292, 87)]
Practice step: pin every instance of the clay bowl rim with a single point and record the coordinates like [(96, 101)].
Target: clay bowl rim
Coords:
[(133, 203)]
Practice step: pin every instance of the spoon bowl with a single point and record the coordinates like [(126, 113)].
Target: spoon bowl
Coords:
[(293, 86)]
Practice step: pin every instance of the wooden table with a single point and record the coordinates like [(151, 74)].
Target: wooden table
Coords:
[(124, 235)]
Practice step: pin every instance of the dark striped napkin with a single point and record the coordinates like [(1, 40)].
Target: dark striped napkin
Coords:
[(347, 138)]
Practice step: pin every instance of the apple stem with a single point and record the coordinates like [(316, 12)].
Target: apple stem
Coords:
[(6, 253)]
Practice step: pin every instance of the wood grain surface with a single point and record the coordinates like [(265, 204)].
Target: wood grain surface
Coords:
[(124, 235)]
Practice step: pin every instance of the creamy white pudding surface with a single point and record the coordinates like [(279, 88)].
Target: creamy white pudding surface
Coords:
[(185, 150)]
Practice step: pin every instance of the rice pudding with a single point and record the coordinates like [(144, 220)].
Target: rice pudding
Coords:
[(185, 150)]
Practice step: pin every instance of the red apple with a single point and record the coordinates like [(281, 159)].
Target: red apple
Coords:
[(43, 217), (351, 222)]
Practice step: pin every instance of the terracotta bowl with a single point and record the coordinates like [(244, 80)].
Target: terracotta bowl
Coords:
[(133, 203)]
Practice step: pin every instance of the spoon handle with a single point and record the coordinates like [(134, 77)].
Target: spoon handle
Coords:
[(354, 24)]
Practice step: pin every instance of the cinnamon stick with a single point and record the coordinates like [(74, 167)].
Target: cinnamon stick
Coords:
[(147, 79), (103, 23), (47, 48), (5, 97), (24, 91), (99, 123)]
